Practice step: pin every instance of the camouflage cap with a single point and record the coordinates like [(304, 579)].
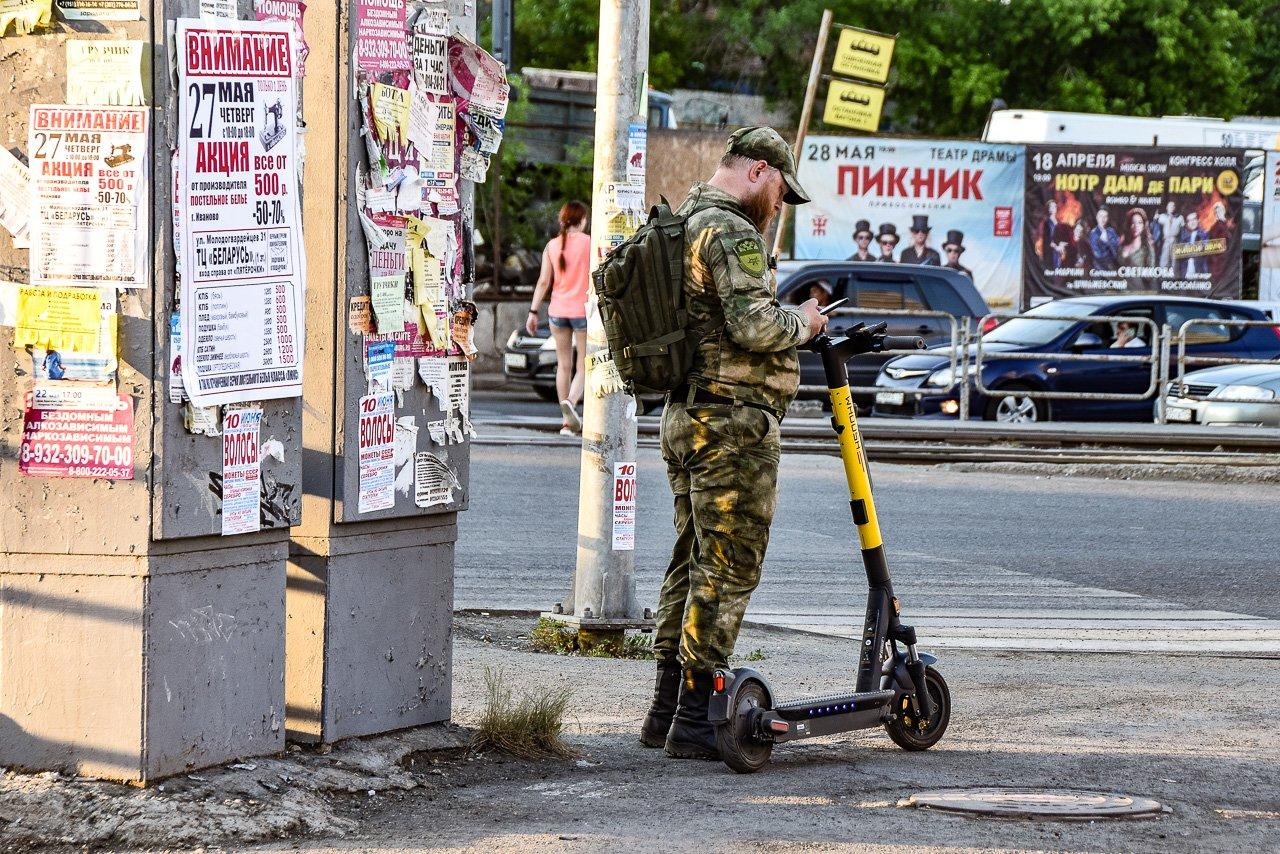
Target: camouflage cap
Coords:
[(764, 143)]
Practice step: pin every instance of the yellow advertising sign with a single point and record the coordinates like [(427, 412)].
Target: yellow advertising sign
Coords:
[(863, 54), (853, 105), (59, 319)]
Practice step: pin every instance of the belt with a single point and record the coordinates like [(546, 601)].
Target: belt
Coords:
[(689, 394)]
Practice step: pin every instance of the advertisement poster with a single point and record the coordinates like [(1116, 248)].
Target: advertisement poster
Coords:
[(434, 481), (241, 471), (377, 451), (430, 49), (105, 72), (84, 432), (624, 507), (932, 202), (380, 36), (1117, 220), (59, 319), (100, 10), (88, 176), (637, 152), (241, 233), (1269, 285), (15, 198)]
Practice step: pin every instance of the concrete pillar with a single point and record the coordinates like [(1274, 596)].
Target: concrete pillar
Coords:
[(370, 596), (135, 642)]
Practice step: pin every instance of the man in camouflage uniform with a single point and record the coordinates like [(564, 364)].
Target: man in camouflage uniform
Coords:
[(720, 430)]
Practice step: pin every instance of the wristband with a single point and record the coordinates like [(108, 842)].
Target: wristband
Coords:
[(533, 311)]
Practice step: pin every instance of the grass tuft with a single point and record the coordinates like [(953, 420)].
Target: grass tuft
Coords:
[(552, 636), (529, 726)]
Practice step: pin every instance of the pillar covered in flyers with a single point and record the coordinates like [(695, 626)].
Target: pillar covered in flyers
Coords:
[(144, 535)]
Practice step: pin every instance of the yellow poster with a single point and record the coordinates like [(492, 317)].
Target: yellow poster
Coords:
[(59, 319), (863, 54), (391, 112), (853, 105), (106, 72), (25, 15)]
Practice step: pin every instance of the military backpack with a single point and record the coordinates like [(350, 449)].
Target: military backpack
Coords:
[(640, 293)]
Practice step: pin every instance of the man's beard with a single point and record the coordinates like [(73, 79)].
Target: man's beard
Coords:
[(759, 209)]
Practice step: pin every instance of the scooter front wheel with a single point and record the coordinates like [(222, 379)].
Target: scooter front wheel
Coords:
[(739, 747), (911, 734)]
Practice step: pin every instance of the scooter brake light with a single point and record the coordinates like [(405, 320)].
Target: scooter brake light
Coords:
[(719, 683), (779, 726)]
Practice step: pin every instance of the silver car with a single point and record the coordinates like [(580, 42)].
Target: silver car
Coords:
[(1228, 394)]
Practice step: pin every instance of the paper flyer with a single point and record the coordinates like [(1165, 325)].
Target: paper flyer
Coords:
[(429, 45), (432, 120), (477, 77), (88, 178), (360, 316), (106, 72), (59, 319), (202, 420), (387, 266), (241, 471), (380, 36), (75, 431), (406, 444), (218, 10), (390, 113), (293, 12), (377, 453), (241, 228), (25, 15), (378, 360), (177, 394), (434, 481), (624, 507), (637, 152), (15, 198), (100, 10), (434, 372)]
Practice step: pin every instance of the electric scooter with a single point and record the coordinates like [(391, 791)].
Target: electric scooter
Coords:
[(897, 687)]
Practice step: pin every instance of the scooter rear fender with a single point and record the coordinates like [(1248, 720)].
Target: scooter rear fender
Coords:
[(723, 701)]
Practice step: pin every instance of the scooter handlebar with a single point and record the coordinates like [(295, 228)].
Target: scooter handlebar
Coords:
[(900, 342)]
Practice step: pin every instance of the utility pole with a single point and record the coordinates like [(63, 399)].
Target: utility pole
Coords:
[(604, 588)]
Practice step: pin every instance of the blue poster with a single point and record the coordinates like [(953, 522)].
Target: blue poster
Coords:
[(916, 201)]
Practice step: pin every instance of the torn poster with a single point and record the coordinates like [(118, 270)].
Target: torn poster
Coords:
[(432, 119), (9, 302), (624, 507), (380, 36), (463, 328), (201, 420), (59, 319), (473, 166), (293, 12), (15, 198), (87, 182), (477, 77), (429, 46), (106, 72), (77, 432), (360, 316), (434, 372), (434, 481), (402, 373), (241, 226), (377, 366), (241, 471), (637, 152), (177, 394), (26, 15), (460, 393), (218, 10), (390, 113), (406, 444), (377, 453), (100, 10), (436, 430), (387, 266)]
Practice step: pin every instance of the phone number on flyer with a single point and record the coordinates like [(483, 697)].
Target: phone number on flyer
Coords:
[(114, 457)]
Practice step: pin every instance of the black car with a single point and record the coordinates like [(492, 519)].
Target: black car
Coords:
[(1071, 327), (868, 287)]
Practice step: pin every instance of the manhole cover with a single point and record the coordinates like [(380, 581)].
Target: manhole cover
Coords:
[(1036, 803)]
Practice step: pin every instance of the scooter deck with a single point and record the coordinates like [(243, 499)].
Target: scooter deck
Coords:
[(834, 703)]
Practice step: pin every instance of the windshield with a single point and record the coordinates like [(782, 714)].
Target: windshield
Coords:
[(1033, 328)]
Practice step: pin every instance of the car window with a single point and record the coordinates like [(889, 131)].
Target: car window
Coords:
[(1116, 333), (1037, 326), (823, 288), (891, 295), (1203, 333), (942, 297)]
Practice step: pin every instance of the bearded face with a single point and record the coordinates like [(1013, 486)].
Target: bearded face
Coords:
[(762, 205)]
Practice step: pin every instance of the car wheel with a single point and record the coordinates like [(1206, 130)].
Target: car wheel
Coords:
[(1016, 409), (546, 392)]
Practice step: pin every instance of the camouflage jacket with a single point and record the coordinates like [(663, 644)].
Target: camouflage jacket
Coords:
[(748, 348)]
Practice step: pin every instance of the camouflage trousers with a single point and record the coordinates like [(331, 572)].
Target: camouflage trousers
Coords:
[(722, 462)]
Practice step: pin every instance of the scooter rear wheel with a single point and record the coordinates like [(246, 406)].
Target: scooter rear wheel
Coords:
[(906, 731), (739, 747)]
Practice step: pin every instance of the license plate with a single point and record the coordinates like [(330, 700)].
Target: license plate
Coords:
[(1177, 413), (890, 398), (515, 361)]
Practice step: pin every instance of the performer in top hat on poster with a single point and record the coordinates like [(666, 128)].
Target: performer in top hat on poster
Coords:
[(888, 241), (954, 247), (862, 239), (919, 252)]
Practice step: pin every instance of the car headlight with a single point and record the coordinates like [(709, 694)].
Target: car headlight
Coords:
[(549, 344), (946, 377), (1244, 392)]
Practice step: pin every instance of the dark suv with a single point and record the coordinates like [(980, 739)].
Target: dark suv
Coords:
[(868, 287), (871, 288)]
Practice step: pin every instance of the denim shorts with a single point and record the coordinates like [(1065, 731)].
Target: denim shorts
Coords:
[(577, 324)]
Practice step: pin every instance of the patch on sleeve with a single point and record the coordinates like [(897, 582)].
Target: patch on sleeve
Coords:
[(750, 255)]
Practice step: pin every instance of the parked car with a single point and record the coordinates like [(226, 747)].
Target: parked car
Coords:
[(868, 287), (1227, 394), (1038, 331)]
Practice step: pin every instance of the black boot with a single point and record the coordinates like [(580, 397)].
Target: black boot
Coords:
[(692, 736), (666, 692)]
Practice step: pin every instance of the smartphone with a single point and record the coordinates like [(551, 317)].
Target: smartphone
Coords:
[(827, 309)]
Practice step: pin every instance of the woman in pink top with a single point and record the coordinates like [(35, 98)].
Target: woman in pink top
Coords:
[(566, 269)]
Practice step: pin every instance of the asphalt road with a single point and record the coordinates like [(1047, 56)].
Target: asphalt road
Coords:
[(962, 545)]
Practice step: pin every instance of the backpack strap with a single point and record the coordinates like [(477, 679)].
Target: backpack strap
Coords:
[(655, 346)]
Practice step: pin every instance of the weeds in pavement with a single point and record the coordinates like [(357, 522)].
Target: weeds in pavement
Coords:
[(756, 654), (528, 726), (560, 639)]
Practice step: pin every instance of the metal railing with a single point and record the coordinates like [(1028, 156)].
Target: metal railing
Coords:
[(1179, 383)]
